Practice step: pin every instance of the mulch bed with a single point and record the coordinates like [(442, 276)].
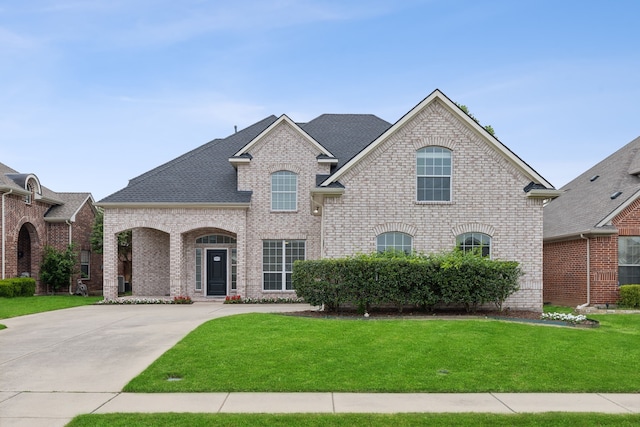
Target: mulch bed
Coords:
[(393, 313)]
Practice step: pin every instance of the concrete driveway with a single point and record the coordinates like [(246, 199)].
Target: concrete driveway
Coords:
[(87, 354)]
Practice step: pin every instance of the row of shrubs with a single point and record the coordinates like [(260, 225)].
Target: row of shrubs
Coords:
[(629, 296), (17, 287), (363, 281)]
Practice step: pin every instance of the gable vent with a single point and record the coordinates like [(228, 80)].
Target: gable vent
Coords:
[(594, 177), (616, 194)]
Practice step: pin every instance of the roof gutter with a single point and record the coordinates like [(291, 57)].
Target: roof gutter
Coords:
[(582, 235), (4, 234), (152, 205)]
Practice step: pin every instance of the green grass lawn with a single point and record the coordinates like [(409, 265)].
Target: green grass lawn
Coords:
[(348, 420), (270, 352), (19, 306)]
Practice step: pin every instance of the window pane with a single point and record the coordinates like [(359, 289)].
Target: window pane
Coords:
[(471, 241), (198, 268), (433, 170), (284, 189), (278, 257), (629, 250), (272, 281), (394, 241)]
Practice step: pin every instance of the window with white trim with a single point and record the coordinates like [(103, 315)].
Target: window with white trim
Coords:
[(394, 241), (628, 260), (85, 264), (198, 269), (284, 191), (278, 257), (433, 170), (475, 241)]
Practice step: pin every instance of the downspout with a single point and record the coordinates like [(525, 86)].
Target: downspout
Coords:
[(4, 235), (70, 242), (586, 304)]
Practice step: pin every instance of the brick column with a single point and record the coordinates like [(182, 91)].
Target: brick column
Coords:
[(110, 262), (176, 267)]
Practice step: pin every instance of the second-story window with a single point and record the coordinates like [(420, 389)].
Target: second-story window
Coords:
[(434, 174), (284, 191)]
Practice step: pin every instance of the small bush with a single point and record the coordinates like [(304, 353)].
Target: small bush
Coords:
[(6, 289), (233, 299), (17, 287), (630, 296), (182, 300)]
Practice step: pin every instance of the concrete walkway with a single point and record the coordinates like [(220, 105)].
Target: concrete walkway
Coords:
[(56, 365)]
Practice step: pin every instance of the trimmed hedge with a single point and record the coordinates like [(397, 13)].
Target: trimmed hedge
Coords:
[(364, 281), (17, 287), (630, 296)]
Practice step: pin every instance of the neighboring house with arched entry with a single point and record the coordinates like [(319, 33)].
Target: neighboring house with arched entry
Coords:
[(231, 217), (33, 217)]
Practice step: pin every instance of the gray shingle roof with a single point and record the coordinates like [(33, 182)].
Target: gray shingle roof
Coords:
[(12, 179), (67, 211), (345, 135), (205, 175), (587, 201)]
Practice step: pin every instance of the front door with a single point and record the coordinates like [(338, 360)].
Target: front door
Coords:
[(216, 272)]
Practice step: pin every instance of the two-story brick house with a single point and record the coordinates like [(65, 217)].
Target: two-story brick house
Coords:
[(592, 232), (231, 216), (32, 216)]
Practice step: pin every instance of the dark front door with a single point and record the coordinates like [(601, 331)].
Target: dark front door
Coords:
[(216, 272)]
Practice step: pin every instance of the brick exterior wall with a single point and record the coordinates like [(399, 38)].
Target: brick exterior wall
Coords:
[(487, 196), (565, 265), (565, 272), (380, 196), (16, 215), (24, 252)]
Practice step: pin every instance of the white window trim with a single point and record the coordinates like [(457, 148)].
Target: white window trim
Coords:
[(295, 208), (450, 176), (283, 272)]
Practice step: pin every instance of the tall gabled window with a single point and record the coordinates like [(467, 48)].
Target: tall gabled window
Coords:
[(284, 191), (434, 174), (85, 264), (475, 241), (394, 241)]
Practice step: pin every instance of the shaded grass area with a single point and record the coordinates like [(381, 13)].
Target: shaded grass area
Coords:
[(20, 306), (276, 353), (373, 420)]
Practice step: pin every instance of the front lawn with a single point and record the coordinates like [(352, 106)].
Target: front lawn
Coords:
[(276, 353), (348, 420), (20, 306)]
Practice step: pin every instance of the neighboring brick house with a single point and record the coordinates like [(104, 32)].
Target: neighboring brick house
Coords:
[(231, 216), (592, 233), (32, 217)]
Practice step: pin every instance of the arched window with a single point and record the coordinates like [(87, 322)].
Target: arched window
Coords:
[(284, 191), (394, 241), (472, 241), (433, 174)]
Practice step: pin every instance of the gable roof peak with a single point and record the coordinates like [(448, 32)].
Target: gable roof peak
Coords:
[(438, 96)]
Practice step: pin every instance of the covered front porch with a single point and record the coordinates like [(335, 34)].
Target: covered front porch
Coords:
[(203, 263)]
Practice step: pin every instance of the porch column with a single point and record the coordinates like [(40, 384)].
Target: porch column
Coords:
[(176, 267), (110, 263)]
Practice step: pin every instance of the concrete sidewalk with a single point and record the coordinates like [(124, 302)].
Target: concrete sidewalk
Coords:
[(56, 409), (59, 364)]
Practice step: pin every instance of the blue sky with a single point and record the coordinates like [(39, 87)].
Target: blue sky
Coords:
[(94, 93)]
